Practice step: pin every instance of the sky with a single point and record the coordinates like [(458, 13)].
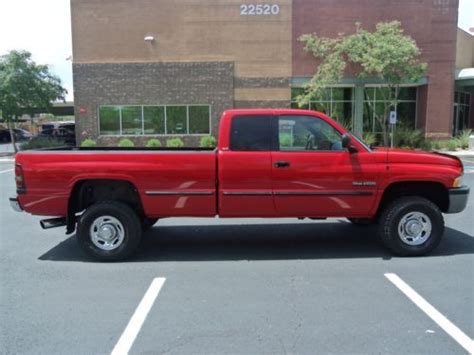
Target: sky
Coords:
[(43, 27)]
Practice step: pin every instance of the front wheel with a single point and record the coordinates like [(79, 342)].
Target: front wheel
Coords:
[(411, 226), (109, 231)]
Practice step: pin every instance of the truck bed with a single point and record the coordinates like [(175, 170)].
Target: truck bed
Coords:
[(170, 181)]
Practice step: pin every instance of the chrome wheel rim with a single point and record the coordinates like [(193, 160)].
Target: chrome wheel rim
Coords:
[(414, 228), (107, 233)]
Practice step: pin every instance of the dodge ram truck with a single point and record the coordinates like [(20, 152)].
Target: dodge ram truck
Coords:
[(268, 163)]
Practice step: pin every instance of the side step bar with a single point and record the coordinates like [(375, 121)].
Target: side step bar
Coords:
[(53, 222)]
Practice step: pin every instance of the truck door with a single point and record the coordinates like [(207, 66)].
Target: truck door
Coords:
[(245, 169), (313, 176)]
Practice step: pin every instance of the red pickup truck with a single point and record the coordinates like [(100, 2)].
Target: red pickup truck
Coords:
[(269, 163)]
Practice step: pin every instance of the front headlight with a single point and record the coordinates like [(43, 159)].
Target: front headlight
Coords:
[(457, 182)]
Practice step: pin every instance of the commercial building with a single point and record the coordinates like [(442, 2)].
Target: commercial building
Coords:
[(164, 68), (463, 112)]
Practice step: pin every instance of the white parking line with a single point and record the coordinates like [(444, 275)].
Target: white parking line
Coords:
[(6, 171), (134, 325), (445, 324)]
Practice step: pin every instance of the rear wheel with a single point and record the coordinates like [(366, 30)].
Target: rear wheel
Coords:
[(109, 231), (411, 226)]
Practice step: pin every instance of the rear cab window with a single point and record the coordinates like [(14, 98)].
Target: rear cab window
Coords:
[(251, 133)]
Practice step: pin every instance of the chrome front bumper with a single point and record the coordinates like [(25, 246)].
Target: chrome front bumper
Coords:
[(458, 199), (15, 205)]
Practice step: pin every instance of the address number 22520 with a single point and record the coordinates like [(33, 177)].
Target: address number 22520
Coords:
[(259, 10)]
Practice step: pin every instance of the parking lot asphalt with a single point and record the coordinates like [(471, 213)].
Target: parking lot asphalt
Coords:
[(247, 286)]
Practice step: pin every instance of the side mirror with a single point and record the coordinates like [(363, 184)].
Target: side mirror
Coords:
[(347, 143)]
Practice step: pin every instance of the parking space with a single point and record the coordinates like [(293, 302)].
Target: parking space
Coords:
[(232, 286)]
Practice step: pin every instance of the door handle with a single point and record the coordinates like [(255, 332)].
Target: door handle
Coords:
[(282, 164)]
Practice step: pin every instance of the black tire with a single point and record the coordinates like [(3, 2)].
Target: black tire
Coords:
[(393, 214), (361, 221), (130, 230), (147, 223)]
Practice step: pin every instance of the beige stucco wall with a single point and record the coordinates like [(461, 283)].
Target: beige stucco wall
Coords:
[(113, 31), (464, 50)]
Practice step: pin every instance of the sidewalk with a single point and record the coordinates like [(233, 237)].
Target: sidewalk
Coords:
[(461, 153)]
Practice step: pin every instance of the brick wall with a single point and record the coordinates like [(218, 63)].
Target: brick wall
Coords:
[(150, 84), (432, 23)]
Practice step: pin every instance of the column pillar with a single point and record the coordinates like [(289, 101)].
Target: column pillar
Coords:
[(358, 122)]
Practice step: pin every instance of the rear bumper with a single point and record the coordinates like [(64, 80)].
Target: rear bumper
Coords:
[(458, 199), (15, 205)]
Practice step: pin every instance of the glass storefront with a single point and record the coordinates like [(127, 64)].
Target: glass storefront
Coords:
[(154, 120), (339, 104), (375, 103), (462, 102)]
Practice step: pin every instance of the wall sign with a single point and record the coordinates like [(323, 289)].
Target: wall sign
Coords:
[(259, 10), (393, 117)]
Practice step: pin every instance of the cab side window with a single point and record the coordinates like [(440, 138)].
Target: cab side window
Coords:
[(251, 133), (307, 133)]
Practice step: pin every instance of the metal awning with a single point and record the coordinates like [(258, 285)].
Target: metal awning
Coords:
[(465, 74), (464, 77)]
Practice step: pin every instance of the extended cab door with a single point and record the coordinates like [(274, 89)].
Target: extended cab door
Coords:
[(313, 176), (245, 169)]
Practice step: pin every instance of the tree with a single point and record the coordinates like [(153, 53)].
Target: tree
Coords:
[(24, 86), (386, 54)]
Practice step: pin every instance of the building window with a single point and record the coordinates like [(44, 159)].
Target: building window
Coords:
[(375, 102), (336, 102), (154, 120), (132, 120), (199, 120), (176, 121), (109, 123), (462, 102)]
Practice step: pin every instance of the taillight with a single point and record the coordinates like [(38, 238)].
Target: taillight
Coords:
[(19, 179)]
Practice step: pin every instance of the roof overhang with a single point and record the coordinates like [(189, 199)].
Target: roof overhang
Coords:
[(464, 77), (301, 81)]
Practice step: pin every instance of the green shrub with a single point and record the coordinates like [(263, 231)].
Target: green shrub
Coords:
[(88, 143), (346, 124), (427, 145), (126, 143), (440, 145), (407, 137), (369, 138), (436, 145), (463, 138), (452, 144), (43, 142), (153, 143), (174, 143), (207, 142)]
